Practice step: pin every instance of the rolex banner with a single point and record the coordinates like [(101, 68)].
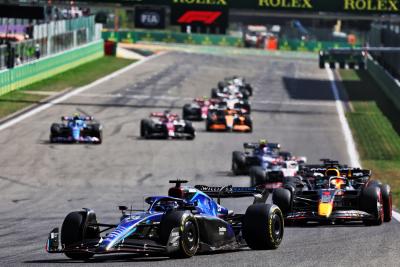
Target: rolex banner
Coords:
[(343, 6)]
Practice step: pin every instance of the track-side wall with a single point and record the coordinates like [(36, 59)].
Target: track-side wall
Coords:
[(29, 73), (389, 85)]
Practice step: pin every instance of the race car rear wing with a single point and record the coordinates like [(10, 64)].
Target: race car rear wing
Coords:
[(82, 118), (344, 171), (256, 145), (162, 114), (260, 194)]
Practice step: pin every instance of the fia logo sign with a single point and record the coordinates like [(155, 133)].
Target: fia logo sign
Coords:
[(150, 18)]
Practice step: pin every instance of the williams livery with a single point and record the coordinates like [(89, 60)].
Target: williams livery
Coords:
[(181, 224), (334, 193), (76, 129)]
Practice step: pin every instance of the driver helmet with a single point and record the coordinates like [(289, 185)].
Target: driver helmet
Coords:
[(262, 143), (76, 116), (237, 81)]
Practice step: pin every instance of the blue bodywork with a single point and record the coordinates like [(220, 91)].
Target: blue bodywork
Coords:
[(73, 130), (204, 205)]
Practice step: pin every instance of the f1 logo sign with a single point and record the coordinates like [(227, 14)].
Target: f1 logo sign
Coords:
[(206, 17)]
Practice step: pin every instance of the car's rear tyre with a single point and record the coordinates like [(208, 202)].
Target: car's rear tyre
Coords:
[(214, 93), (258, 176), (145, 128), (189, 130), (98, 132), (189, 236), (282, 197), (238, 162), (249, 89), (55, 131), (73, 231), (387, 202), (263, 226), (371, 202), (186, 111)]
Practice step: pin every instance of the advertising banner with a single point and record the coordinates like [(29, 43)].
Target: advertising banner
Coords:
[(201, 14), (361, 7)]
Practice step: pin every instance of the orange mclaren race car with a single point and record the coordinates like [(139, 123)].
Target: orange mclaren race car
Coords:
[(228, 120)]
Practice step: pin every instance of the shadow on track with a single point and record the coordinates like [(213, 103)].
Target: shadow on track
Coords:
[(131, 258)]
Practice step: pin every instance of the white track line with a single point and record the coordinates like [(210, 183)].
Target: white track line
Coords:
[(351, 146), (74, 92)]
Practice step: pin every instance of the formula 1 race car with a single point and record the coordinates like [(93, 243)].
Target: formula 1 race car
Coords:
[(265, 162), (185, 222), (334, 194), (228, 120), (76, 129), (166, 125), (198, 109), (239, 82)]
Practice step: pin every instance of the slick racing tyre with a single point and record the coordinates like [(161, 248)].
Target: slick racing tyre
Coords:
[(97, 132), (282, 197), (186, 111), (74, 230), (55, 131), (263, 226), (189, 236), (189, 130), (387, 202), (214, 93), (257, 176), (145, 128), (371, 202), (238, 163)]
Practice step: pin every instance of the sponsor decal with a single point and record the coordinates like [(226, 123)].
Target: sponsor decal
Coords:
[(222, 230)]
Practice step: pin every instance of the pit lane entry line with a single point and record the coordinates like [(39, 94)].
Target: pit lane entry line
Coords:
[(75, 92), (350, 144)]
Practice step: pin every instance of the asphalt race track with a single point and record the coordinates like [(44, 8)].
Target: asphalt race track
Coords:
[(293, 104)]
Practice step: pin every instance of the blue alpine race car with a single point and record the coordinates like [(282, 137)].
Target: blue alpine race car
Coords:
[(76, 129), (179, 225)]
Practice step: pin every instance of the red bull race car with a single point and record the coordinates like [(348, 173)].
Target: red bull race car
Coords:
[(333, 193), (166, 125)]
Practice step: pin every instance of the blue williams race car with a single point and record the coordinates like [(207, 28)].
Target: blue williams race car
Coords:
[(179, 225), (76, 129)]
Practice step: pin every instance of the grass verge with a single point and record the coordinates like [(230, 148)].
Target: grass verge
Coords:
[(373, 121), (74, 78)]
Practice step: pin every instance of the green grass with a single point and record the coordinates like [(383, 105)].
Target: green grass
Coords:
[(79, 76), (374, 120)]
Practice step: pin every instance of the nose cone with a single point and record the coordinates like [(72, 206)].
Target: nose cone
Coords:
[(76, 133)]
